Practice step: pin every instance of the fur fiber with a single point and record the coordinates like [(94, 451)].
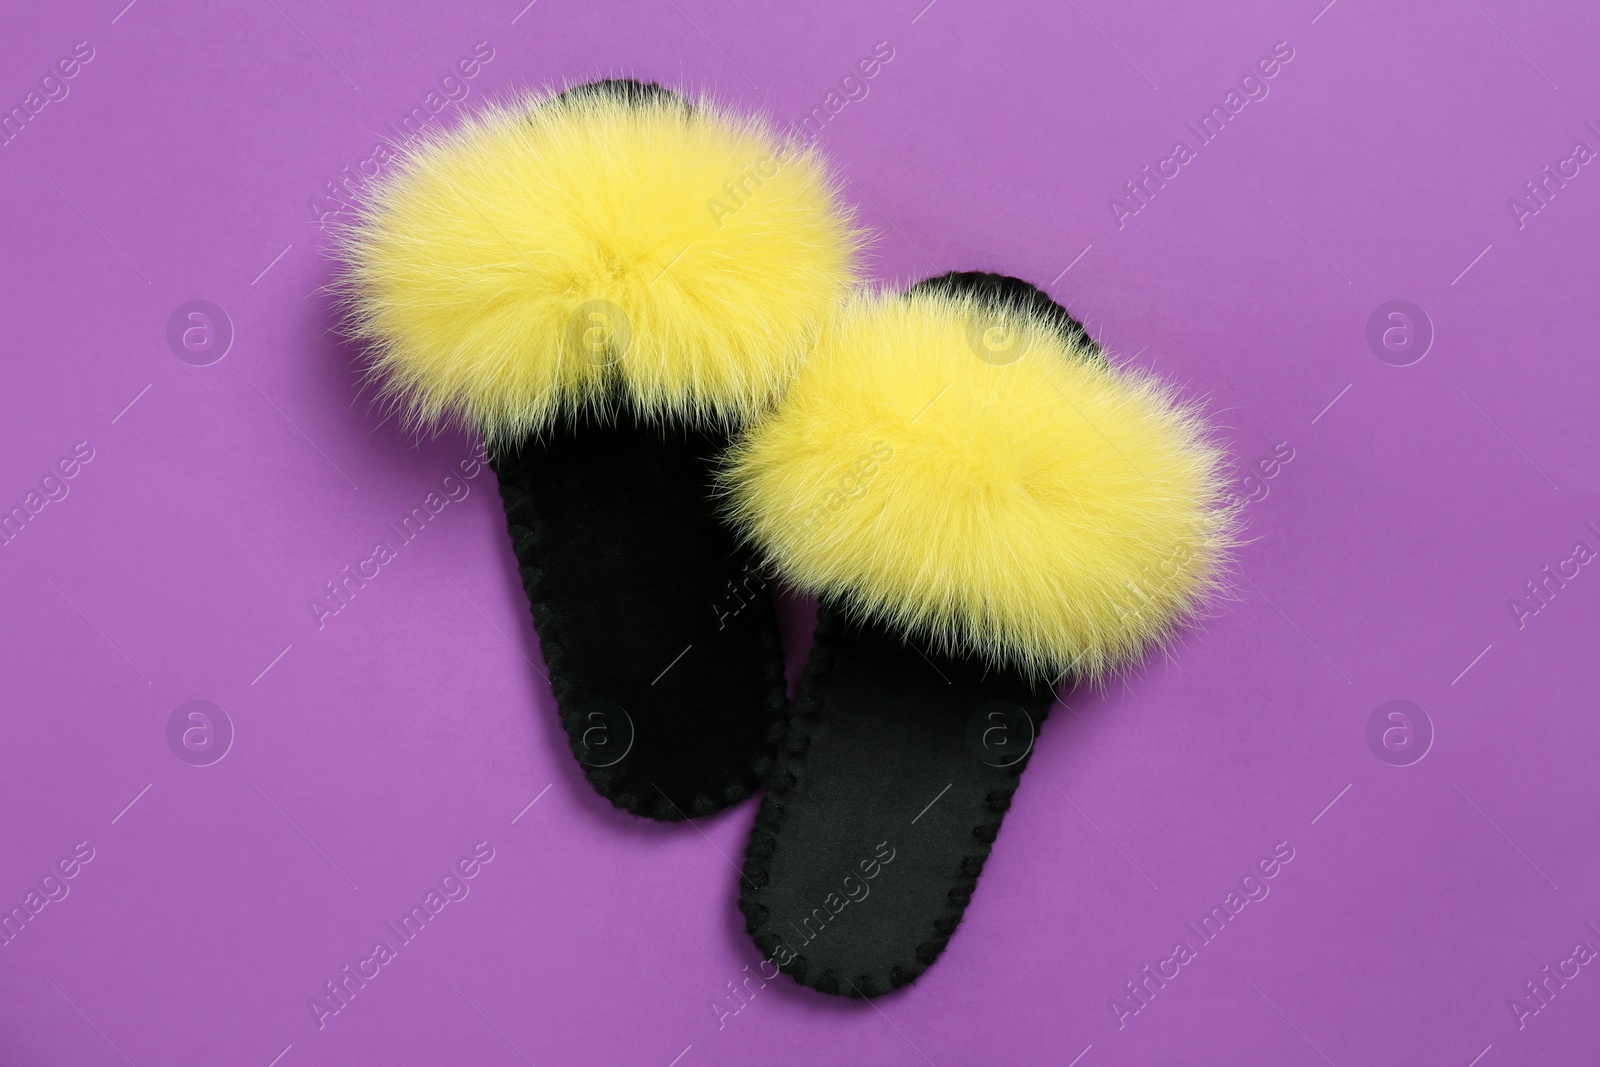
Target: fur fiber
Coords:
[(552, 254), (1037, 508)]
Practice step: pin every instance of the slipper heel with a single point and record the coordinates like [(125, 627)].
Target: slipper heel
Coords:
[(984, 506)]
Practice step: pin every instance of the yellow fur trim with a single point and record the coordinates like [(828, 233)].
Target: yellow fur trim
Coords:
[(547, 253), (1023, 502)]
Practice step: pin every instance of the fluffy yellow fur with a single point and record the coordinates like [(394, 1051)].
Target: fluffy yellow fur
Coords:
[(552, 253), (1048, 513)]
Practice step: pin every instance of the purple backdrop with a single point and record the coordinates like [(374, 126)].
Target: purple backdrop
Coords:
[(1422, 497)]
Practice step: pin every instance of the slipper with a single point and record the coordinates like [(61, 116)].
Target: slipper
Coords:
[(982, 505), (605, 284)]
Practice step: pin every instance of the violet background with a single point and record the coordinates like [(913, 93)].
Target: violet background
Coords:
[(182, 564)]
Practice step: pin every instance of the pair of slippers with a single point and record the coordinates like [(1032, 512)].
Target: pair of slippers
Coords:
[(651, 310)]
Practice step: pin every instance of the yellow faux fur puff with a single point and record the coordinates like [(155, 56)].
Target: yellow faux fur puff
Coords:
[(967, 477), (549, 253)]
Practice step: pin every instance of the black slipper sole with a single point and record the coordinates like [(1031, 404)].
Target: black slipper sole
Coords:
[(888, 793), (656, 625), (1002, 291)]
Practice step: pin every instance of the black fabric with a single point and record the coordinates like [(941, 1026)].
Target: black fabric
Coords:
[(1002, 290), (644, 602), (862, 861)]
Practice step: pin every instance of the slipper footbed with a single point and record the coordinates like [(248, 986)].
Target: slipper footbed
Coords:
[(891, 783), (657, 627)]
